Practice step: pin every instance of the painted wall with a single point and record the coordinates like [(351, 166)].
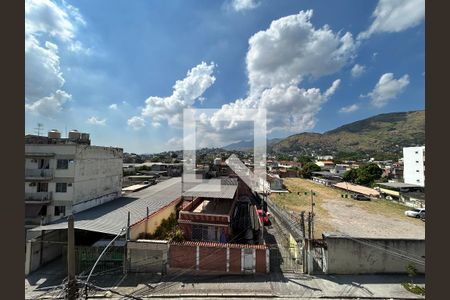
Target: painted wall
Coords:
[(153, 221), (348, 256), (414, 165)]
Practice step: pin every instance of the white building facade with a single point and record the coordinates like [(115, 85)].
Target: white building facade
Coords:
[(414, 165), (65, 178)]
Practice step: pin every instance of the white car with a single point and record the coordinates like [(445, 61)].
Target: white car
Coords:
[(415, 212)]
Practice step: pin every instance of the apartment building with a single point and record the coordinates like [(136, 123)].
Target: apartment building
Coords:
[(68, 175), (414, 165)]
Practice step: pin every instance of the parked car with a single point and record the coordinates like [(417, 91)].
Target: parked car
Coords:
[(264, 217), (422, 215), (146, 182), (360, 197), (415, 212)]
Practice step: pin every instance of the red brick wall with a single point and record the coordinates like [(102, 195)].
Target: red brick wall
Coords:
[(260, 261), (235, 260), (182, 256), (213, 256), (213, 259)]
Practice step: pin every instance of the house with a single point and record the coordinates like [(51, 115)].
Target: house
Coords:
[(68, 175), (414, 165), (402, 192), (325, 164), (220, 209)]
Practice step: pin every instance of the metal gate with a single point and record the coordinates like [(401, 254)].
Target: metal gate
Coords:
[(284, 258), (85, 258)]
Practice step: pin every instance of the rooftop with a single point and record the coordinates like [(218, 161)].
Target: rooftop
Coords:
[(399, 185), (112, 216)]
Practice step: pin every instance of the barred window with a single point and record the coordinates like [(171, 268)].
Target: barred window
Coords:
[(62, 164), (61, 187), (199, 232)]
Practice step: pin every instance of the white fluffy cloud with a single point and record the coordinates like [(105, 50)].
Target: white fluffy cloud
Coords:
[(349, 109), (45, 21), (49, 106), (358, 70), (395, 16), (185, 93), (96, 121), (278, 59), (113, 106), (136, 122), (387, 89), (241, 5), (292, 49)]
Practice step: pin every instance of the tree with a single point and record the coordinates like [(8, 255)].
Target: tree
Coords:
[(308, 168), (304, 159), (368, 174), (350, 175)]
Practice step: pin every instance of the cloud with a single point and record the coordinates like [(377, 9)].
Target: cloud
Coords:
[(349, 109), (395, 16), (242, 5), (175, 143), (113, 106), (387, 89), (96, 121), (136, 122), (49, 106), (185, 93), (358, 70), (46, 21), (292, 49), (278, 59)]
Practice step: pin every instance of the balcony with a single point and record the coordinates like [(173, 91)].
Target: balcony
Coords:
[(38, 174), (38, 197)]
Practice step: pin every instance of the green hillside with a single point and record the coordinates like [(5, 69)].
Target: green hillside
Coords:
[(387, 133)]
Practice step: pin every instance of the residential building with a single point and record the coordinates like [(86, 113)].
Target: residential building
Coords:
[(414, 165), (276, 183), (68, 175)]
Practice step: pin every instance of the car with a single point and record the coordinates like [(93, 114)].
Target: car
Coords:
[(415, 212), (360, 197), (422, 215), (264, 217), (146, 182)]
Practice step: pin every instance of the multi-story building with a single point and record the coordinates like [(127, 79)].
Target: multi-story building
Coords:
[(414, 165), (68, 175)]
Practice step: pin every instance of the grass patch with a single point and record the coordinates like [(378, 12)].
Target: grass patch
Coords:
[(414, 288)]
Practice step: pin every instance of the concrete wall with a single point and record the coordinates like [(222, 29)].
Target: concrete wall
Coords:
[(414, 165), (41, 250), (150, 225), (147, 256), (371, 256)]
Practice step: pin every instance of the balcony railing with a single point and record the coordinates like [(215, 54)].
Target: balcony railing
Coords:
[(39, 173), (38, 197)]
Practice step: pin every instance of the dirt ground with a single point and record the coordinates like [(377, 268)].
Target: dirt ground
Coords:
[(375, 218)]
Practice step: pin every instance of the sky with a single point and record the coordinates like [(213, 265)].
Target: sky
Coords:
[(124, 71)]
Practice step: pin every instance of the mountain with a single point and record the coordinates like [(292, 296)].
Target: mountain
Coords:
[(384, 133), (248, 145)]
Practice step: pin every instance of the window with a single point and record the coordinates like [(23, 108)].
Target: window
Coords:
[(60, 210), (42, 187), (61, 187), (62, 164), (199, 233)]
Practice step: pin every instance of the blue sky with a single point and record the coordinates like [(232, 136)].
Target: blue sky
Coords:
[(109, 67)]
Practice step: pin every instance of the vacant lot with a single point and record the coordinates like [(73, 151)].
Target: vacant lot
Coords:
[(376, 218)]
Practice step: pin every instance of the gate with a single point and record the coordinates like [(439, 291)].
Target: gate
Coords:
[(85, 258)]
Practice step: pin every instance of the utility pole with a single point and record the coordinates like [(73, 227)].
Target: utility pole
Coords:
[(71, 284), (302, 223), (312, 214), (38, 129)]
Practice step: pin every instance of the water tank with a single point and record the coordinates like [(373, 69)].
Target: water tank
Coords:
[(54, 134), (85, 136), (74, 134)]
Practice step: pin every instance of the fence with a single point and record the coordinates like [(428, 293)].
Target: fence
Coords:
[(219, 258), (85, 257)]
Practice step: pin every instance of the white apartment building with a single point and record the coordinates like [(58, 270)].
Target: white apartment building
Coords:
[(414, 165), (64, 176)]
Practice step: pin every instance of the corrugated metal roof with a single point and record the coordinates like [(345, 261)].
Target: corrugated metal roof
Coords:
[(111, 217), (357, 188), (212, 191)]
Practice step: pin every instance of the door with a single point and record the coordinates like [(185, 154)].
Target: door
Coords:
[(248, 260)]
